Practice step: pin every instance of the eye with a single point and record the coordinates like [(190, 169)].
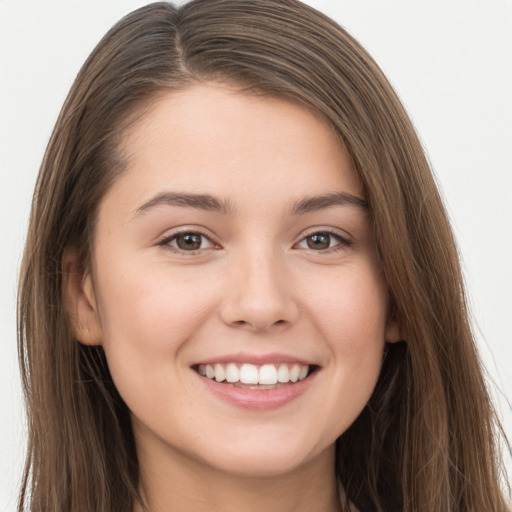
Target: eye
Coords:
[(188, 241), (323, 241)]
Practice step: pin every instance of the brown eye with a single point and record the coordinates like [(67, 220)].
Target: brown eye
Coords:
[(319, 241), (324, 241), (188, 241)]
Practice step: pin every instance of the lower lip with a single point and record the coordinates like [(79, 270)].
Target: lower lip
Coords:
[(257, 399)]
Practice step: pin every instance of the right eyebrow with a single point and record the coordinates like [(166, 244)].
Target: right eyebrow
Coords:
[(200, 201)]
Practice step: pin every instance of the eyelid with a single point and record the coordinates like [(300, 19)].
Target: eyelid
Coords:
[(165, 240), (345, 240)]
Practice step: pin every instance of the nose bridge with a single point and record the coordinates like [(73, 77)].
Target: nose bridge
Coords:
[(260, 292)]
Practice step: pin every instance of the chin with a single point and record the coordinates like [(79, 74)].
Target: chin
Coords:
[(254, 460)]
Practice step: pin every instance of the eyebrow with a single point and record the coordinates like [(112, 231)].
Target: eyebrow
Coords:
[(199, 201), (315, 203), (208, 202)]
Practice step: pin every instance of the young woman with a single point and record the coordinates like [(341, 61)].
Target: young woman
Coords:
[(240, 290)]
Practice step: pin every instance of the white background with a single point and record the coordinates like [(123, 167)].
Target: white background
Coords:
[(451, 63)]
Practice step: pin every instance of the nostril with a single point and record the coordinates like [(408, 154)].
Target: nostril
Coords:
[(259, 326)]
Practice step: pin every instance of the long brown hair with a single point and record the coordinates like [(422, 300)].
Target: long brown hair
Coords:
[(427, 439)]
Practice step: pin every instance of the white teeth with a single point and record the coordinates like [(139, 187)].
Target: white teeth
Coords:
[(268, 374), (303, 373), (220, 373), (294, 373), (232, 373), (250, 374), (210, 372), (283, 374)]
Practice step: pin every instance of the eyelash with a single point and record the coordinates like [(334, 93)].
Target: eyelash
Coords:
[(343, 242), (166, 242)]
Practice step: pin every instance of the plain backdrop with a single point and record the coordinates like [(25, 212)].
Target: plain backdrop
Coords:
[(451, 64)]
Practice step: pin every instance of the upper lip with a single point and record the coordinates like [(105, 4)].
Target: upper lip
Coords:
[(256, 359)]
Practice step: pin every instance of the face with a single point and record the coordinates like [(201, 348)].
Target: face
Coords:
[(235, 286)]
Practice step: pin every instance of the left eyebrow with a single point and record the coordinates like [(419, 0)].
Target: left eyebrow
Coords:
[(315, 203)]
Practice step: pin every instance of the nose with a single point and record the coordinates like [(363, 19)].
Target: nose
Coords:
[(259, 294)]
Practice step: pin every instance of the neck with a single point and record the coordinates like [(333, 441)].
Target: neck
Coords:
[(176, 483)]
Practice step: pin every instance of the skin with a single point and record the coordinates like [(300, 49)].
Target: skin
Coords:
[(254, 285)]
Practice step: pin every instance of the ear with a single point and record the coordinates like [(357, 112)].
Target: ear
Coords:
[(393, 331), (79, 299)]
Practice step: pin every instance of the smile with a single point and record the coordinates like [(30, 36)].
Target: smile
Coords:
[(253, 376), (256, 386)]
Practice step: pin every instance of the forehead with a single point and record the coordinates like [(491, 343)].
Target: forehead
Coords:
[(214, 139)]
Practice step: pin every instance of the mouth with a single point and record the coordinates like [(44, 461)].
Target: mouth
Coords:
[(268, 376)]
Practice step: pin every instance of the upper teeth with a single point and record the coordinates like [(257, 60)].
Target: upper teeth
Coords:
[(252, 374)]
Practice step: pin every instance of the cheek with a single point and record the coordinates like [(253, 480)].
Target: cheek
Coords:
[(147, 315), (352, 320), (147, 318), (351, 309)]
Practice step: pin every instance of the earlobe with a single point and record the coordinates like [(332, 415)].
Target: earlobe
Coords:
[(393, 331), (79, 300)]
